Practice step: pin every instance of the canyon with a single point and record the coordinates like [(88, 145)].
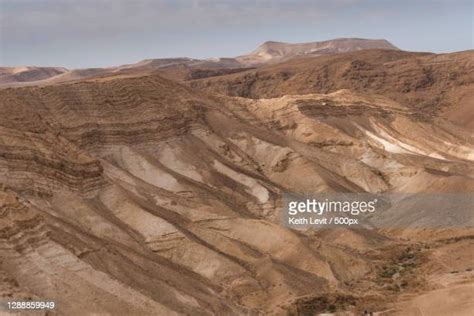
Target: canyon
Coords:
[(156, 189)]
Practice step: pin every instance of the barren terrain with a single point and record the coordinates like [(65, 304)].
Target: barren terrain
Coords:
[(144, 195)]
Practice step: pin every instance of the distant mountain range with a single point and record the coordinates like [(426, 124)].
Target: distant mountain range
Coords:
[(268, 52), (277, 51)]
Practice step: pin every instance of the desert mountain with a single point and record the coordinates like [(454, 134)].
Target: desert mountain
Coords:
[(278, 51), (178, 68), (417, 79), (151, 196), (187, 68)]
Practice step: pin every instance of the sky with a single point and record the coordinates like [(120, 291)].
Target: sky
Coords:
[(100, 33)]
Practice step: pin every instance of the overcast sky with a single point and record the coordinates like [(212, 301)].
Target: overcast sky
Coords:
[(96, 33)]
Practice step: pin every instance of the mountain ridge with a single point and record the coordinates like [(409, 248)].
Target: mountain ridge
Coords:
[(284, 50), (267, 52)]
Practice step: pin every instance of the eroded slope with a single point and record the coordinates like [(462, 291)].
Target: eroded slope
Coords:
[(150, 197)]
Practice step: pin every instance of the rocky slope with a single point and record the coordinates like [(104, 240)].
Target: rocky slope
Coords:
[(145, 196)]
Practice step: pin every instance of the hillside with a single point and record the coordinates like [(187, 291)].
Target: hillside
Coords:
[(416, 79), (11, 75), (150, 196)]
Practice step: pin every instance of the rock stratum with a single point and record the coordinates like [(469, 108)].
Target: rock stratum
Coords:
[(146, 196)]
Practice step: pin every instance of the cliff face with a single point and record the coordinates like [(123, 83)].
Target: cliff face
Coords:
[(150, 197)]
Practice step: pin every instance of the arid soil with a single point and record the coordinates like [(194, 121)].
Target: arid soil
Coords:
[(141, 195)]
